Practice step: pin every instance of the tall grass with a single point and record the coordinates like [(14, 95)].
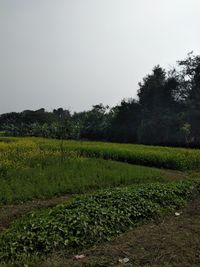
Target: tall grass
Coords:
[(42, 179), (162, 157), (35, 168)]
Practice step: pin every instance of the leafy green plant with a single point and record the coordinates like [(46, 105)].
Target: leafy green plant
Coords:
[(90, 219)]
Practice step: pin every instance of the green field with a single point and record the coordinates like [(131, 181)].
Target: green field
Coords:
[(71, 176), (155, 156), (111, 195), (29, 170), (90, 219)]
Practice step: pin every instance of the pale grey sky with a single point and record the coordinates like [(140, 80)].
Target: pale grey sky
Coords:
[(76, 53)]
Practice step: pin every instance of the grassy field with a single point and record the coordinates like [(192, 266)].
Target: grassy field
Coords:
[(28, 172), (114, 194), (163, 157), (79, 175)]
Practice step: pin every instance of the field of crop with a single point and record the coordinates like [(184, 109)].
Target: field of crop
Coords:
[(29, 171), (91, 219), (111, 195), (154, 156)]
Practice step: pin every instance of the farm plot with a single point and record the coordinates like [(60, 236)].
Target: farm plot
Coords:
[(90, 219), (155, 156), (126, 194), (30, 170)]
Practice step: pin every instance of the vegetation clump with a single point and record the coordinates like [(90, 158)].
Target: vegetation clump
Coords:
[(89, 219)]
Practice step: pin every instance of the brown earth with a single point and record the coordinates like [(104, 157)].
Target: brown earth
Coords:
[(8, 213)]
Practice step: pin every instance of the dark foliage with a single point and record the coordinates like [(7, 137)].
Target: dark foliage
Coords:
[(167, 112)]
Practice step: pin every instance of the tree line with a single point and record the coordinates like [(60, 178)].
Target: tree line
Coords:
[(166, 112)]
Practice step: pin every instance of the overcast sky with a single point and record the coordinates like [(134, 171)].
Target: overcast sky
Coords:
[(76, 53)]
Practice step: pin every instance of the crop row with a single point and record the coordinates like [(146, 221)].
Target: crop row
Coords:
[(90, 219), (41, 168), (162, 157)]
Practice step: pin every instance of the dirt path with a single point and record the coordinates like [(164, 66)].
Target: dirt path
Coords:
[(173, 241), (9, 213)]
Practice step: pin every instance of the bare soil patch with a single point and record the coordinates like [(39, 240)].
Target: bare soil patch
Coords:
[(9, 213)]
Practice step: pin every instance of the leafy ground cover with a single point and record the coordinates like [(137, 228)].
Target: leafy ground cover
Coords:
[(90, 219), (169, 241)]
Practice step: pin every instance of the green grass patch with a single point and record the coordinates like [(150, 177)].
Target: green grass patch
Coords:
[(44, 178), (90, 219), (41, 168)]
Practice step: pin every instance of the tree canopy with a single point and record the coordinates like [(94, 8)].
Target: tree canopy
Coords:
[(167, 112)]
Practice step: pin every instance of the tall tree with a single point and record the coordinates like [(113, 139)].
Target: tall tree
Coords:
[(191, 72), (158, 108), (125, 121)]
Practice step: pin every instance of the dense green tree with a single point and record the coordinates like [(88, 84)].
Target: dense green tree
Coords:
[(124, 121), (160, 107), (93, 123), (190, 73), (151, 91), (167, 112)]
